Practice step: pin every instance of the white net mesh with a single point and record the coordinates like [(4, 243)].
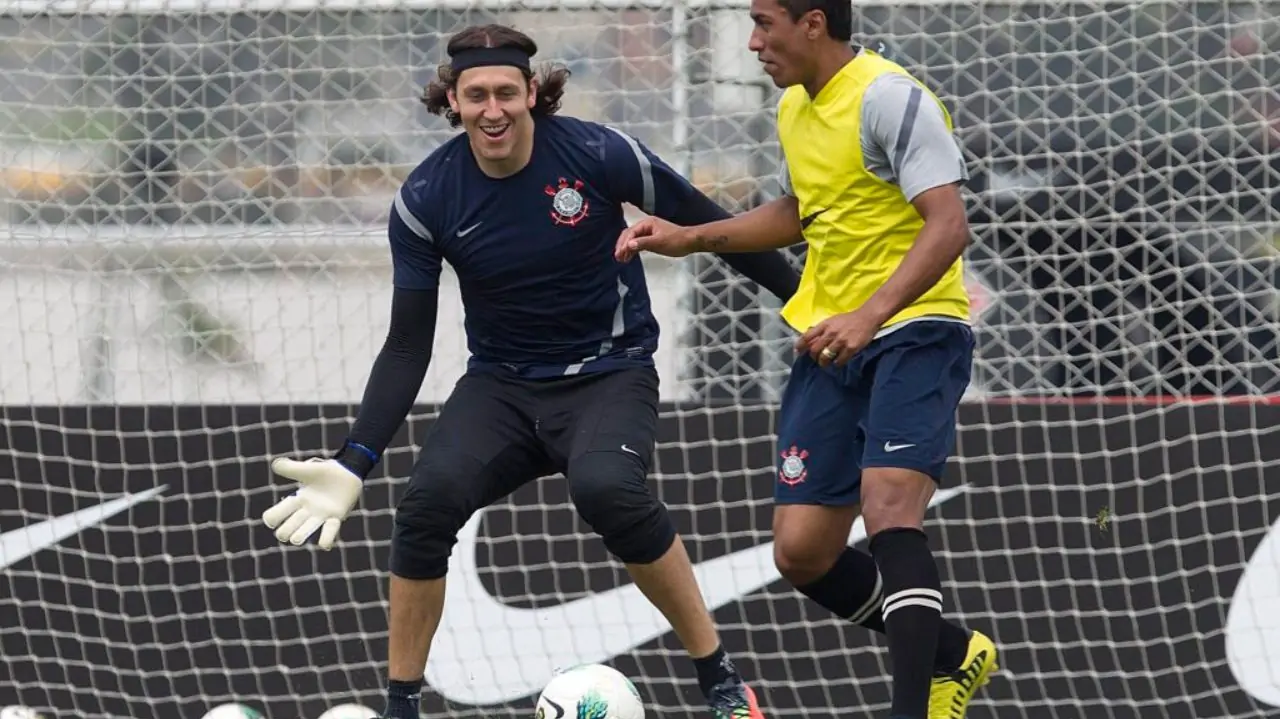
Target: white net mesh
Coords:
[(193, 278)]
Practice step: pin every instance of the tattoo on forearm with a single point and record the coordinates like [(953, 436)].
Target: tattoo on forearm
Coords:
[(711, 244)]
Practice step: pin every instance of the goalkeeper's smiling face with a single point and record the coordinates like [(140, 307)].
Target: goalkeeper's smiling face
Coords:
[(494, 104)]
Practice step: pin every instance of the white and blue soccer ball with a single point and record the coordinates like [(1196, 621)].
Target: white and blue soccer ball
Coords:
[(590, 691), (233, 711), (20, 712), (349, 711)]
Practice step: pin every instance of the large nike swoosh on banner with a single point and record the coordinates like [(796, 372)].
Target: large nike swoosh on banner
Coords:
[(1253, 623), (486, 652), (18, 544)]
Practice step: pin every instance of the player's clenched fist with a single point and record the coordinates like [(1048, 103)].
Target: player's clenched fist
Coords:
[(327, 492)]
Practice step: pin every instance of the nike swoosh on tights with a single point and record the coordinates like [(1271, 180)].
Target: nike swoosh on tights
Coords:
[(486, 652), (18, 544)]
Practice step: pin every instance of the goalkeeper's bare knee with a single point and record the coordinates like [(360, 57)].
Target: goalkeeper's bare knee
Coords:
[(609, 493), (438, 501)]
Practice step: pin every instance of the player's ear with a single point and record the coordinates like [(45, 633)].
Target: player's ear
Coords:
[(815, 24), (532, 100), (452, 95)]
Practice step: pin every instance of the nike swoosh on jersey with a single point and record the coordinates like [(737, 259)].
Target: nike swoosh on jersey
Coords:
[(808, 219), (18, 544), (1253, 623), (486, 652)]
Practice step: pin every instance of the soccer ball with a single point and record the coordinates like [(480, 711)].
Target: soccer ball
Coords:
[(20, 712), (349, 711), (233, 711), (590, 691)]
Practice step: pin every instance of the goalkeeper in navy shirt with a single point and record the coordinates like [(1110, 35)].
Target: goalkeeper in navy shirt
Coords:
[(526, 207)]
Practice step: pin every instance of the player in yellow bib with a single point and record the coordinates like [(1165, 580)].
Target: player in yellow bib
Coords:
[(872, 185)]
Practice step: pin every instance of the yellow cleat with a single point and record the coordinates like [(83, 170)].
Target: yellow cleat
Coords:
[(950, 695)]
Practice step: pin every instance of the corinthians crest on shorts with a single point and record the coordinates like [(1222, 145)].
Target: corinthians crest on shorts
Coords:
[(568, 206), (793, 470)]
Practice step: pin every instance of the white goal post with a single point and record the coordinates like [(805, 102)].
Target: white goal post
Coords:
[(194, 279)]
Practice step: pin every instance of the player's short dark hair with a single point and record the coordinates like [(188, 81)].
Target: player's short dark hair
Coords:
[(839, 15), (551, 77)]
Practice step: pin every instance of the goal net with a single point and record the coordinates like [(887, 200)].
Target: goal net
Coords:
[(194, 279)]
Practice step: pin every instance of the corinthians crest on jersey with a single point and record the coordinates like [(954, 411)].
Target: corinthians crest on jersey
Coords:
[(568, 206)]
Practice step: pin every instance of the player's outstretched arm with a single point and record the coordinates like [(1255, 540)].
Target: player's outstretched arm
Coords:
[(394, 381), (771, 226), (768, 268), (638, 176), (329, 487)]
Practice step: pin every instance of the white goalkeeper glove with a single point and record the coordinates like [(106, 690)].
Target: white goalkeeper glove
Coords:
[(327, 493)]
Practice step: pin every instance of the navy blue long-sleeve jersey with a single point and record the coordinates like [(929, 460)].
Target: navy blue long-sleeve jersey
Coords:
[(533, 252)]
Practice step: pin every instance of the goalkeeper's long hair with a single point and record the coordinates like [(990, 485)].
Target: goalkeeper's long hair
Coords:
[(552, 77)]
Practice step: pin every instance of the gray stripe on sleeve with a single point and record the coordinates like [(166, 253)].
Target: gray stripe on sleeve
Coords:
[(906, 139), (646, 171), (410, 220), (908, 127)]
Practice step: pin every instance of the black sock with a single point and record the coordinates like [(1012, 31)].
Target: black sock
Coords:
[(912, 615), (403, 699), (953, 647), (852, 590), (713, 670)]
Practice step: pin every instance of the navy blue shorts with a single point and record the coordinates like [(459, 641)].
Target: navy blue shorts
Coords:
[(893, 405)]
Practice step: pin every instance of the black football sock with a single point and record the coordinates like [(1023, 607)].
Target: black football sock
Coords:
[(953, 647), (912, 615), (852, 590), (403, 699), (713, 670)]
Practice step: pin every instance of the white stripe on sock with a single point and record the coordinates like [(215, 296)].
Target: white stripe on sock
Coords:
[(871, 605), (930, 598)]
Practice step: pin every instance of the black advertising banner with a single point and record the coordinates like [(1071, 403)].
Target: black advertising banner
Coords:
[(1121, 555)]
